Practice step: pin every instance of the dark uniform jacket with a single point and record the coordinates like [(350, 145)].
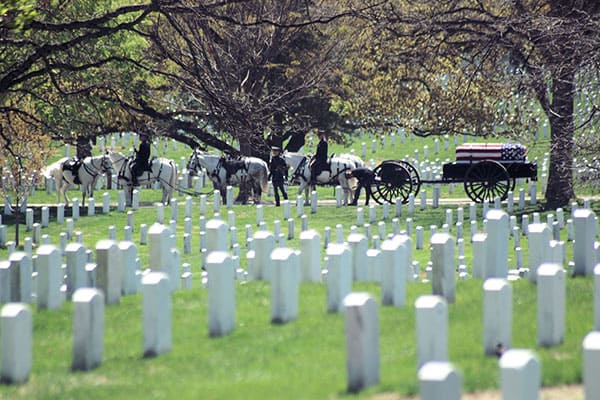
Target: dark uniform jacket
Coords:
[(278, 169), (365, 175), (143, 153), (321, 154)]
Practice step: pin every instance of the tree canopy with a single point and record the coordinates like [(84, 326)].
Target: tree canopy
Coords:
[(484, 67), (238, 75)]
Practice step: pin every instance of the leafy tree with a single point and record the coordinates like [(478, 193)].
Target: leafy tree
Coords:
[(23, 151), (64, 57), (239, 71), (477, 65)]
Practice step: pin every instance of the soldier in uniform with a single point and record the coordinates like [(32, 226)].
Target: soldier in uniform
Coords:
[(365, 178), (319, 161), (278, 174), (142, 155)]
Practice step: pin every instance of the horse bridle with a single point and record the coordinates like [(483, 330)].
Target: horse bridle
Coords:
[(94, 171)]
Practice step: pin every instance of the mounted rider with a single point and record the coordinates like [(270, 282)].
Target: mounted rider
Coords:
[(142, 155), (319, 162)]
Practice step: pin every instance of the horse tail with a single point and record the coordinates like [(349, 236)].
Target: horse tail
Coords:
[(173, 180), (264, 178)]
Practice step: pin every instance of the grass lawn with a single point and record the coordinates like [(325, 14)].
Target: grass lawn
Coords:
[(304, 359)]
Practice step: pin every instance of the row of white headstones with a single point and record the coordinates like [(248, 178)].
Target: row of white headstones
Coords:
[(116, 272)]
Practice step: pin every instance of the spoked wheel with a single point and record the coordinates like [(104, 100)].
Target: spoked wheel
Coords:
[(414, 178), (392, 181), (487, 180)]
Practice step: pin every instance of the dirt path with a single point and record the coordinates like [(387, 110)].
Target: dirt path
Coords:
[(567, 392)]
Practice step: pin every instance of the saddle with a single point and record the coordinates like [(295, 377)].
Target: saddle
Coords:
[(72, 165), (232, 166)]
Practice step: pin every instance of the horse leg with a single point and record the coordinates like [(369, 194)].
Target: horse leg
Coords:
[(257, 192)]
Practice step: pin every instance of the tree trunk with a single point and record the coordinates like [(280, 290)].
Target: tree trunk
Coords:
[(560, 179)]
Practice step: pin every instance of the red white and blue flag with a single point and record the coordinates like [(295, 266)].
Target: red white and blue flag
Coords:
[(491, 151)]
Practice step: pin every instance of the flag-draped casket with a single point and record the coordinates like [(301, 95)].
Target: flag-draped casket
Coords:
[(469, 152)]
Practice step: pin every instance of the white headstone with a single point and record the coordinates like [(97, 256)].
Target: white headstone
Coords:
[(586, 229), (496, 265), (50, 278), (17, 330), (20, 277), (310, 256), (591, 365), (285, 285), (264, 244), (216, 235), (362, 341), (339, 276), (221, 293), (88, 328), (497, 315), (520, 375), (76, 260), (443, 281), (108, 270), (156, 314), (358, 245), (551, 303), (431, 314), (396, 258), (128, 256), (539, 248), (439, 380)]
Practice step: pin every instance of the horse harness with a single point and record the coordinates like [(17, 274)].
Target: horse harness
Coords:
[(129, 165), (231, 166), (301, 169), (74, 164)]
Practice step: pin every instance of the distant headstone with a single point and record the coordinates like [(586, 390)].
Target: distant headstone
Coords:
[(76, 260), (108, 270), (50, 278), (443, 266), (264, 244), (396, 259), (310, 256), (358, 245), (586, 229)]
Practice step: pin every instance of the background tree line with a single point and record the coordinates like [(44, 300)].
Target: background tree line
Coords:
[(240, 76)]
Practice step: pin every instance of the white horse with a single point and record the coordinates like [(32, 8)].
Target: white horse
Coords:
[(338, 165), (162, 170), (253, 171), (87, 175)]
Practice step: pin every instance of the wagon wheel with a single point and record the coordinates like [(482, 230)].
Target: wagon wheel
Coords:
[(392, 181), (486, 180), (414, 178)]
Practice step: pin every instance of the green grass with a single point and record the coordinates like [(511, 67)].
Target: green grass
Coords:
[(304, 359)]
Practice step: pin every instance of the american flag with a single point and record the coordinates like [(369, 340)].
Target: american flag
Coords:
[(491, 151)]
